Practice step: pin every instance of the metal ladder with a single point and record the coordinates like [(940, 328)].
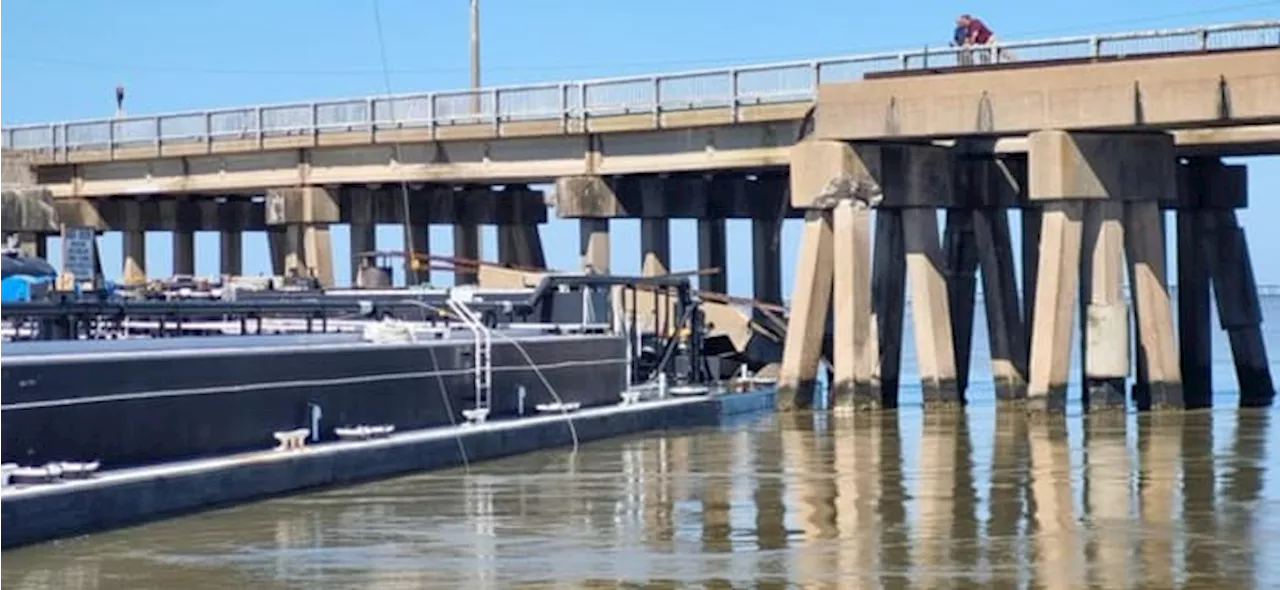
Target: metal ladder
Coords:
[(483, 355)]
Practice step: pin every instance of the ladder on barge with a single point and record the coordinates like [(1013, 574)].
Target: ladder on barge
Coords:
[(483, 353)]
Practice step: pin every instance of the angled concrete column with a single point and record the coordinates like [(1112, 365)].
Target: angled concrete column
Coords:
[(277, 245), (134, 244), (1006, 330), (1030, 260), (318, 252), (1145, 248), (364, 234), (655, 246), (1066, 170), (854, 354), (1239, 312), (306, 213), (960, 248), (888, 296), (593, 244), (1104, 316), (1055, 299), (711, 254), (931, 314), (230, 252), (807, 322)]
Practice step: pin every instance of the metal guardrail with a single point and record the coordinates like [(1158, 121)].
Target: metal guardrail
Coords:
[(731, 88)]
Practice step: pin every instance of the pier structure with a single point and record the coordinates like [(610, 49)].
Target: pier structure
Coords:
[(867, 149), (1099, 164)]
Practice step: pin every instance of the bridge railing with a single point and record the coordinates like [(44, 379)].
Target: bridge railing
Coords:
[(730, 88)]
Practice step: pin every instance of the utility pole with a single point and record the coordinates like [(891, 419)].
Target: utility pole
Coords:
[(475, 55)]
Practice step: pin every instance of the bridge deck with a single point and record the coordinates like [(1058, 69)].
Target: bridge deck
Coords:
[(726, 96)]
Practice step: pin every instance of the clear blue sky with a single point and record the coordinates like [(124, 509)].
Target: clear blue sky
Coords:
[(62, 60)]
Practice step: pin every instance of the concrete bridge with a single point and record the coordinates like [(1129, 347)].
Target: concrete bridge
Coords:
[(1088, 130)]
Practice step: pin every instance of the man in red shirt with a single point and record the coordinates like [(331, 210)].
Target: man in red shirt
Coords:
[(977, 33)]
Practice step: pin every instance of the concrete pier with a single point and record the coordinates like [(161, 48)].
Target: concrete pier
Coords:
[(854, 359), (1092, 199)]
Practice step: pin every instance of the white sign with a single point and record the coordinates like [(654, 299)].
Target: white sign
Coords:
[(79, 252)]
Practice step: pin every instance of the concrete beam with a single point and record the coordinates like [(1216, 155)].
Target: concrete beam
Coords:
[(903, 175), (308, 204), (1207, 183), (1175, 92), (1130, 166), (579, 197), (29, 210)]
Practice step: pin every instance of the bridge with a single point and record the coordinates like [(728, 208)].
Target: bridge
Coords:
[(1092, 137)]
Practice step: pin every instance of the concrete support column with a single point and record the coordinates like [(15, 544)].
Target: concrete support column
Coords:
[(364, 234), (888, 296), (295, 259), (1006, 330), (231, 252), (466, 244), (592, 201), (855, 350), (931, 314), (807, 322), (960, 247), (1144, 236), (519, 241), (712, 254), (306, 213), (317, 245), (277, 244), (1239, 312), (1057, 276), (183, 216), (1195, 345), (1104, 311), (1066, 171), (228, 217), (1031, 215), (593, 244), (766, 260), (134, 243), (420, 237), (655, 246)]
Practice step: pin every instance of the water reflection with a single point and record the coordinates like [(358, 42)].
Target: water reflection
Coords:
[(949, 500)]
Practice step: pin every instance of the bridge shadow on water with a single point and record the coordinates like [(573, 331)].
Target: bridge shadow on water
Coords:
[(978, 499)]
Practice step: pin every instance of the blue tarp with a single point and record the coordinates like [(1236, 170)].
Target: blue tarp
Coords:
[(21, 287)]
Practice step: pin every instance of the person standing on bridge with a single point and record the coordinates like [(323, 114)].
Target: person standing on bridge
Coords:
[(977, 33)]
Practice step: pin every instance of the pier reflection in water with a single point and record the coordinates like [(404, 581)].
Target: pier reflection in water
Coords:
[(979, 499)]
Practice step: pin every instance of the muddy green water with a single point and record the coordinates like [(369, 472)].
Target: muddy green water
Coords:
[(901, 500)]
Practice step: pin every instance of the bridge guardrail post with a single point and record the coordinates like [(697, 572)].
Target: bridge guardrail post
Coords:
[(497, 113), (733, 94)]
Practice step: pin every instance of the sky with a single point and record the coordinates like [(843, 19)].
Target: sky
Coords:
[(62, 60)]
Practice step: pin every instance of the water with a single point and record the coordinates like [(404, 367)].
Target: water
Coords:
[(975, 500), (868, 501)]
